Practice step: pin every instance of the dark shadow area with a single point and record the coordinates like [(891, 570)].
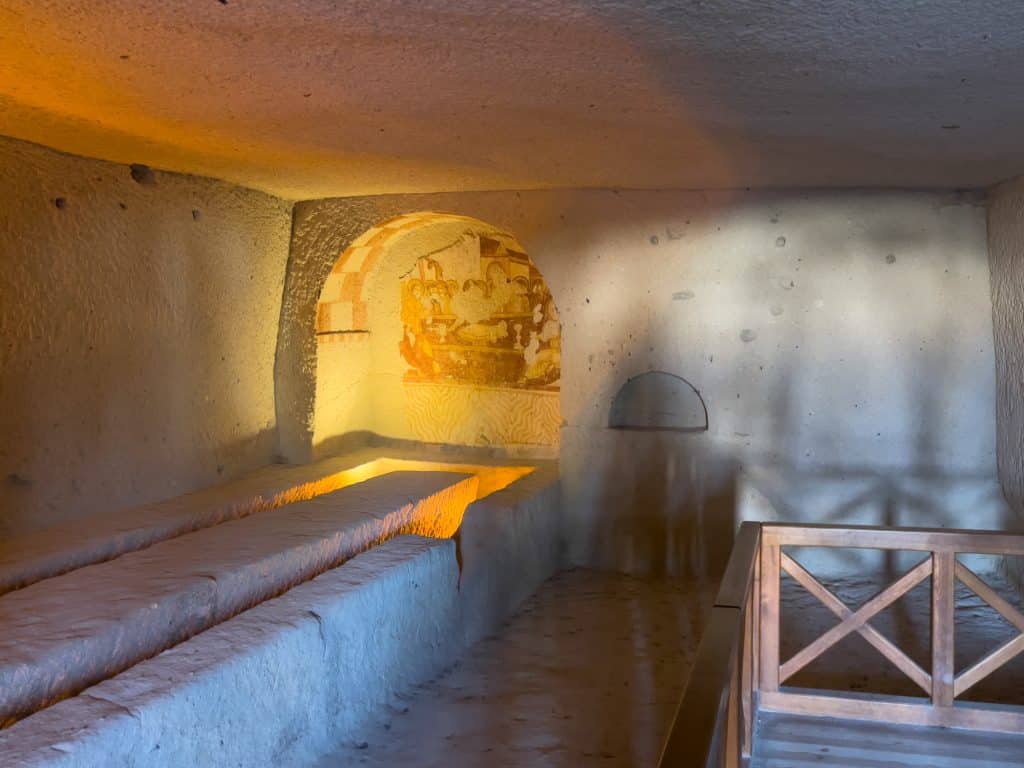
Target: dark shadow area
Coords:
[(831, 405), (683, 506), (656, 502), (785, 91), (898, 497)]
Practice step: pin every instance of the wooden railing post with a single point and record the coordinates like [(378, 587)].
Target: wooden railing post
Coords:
[(712, 727), (943, 606), (769, 630), (755, 650), (748, 681), (734, 741)]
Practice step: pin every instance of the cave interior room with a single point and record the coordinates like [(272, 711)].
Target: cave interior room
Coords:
[(545, 383)]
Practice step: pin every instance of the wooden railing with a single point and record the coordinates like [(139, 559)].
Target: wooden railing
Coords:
[(738, 671), (714, 725)]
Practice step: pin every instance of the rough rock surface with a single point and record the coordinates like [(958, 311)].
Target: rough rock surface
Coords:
[(68, 632), (588, 674), (138, 340), (287, 680), (267, 686), (401, 96), (30, 558), (1006, 264)]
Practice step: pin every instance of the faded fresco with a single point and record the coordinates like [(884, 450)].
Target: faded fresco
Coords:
[(480, 314)]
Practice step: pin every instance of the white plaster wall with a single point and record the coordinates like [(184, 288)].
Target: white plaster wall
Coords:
[(138, 326), (842, 342), (843, 345)]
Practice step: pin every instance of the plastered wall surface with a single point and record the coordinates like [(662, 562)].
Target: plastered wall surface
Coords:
[(1006, 261), (842, 342), (138, 322)]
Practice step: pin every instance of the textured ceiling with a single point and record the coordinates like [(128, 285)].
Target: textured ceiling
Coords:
[(310, 98)]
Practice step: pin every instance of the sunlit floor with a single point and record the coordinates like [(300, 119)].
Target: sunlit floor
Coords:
[(588, 673)]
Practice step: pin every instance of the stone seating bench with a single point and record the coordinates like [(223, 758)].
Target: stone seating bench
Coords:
[(68, 632)]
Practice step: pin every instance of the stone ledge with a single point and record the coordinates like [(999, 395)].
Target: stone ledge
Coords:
[(28, 559), (74, 630), (509, 544), (271, 686), (294, 676)]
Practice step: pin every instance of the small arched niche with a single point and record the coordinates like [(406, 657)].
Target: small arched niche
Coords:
[(659, 401), (438, 328)]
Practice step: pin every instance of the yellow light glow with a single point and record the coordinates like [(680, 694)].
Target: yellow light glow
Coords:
[(438, 517)]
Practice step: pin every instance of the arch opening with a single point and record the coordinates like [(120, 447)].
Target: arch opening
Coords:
[(659, 401), (439, 329)]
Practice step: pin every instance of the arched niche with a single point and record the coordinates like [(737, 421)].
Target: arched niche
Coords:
[(436, 328), (658, 401)]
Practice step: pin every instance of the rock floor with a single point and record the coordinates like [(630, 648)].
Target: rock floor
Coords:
[(588, 673)]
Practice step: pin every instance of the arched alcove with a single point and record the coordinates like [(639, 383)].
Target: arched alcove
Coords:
[(437, 328), (659, 401)]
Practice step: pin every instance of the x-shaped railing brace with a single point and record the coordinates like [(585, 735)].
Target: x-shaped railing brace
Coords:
[(857, 621)]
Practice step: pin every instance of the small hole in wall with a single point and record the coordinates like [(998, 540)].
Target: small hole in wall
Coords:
[(60, 202), (142, 174)]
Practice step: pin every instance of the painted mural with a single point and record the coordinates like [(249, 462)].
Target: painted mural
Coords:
[(480, 315)]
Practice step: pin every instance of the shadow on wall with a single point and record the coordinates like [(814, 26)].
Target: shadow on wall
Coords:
[(675, 505), (913, 496), (844, 336), (681, 518), (674, 495), (842, 343)]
